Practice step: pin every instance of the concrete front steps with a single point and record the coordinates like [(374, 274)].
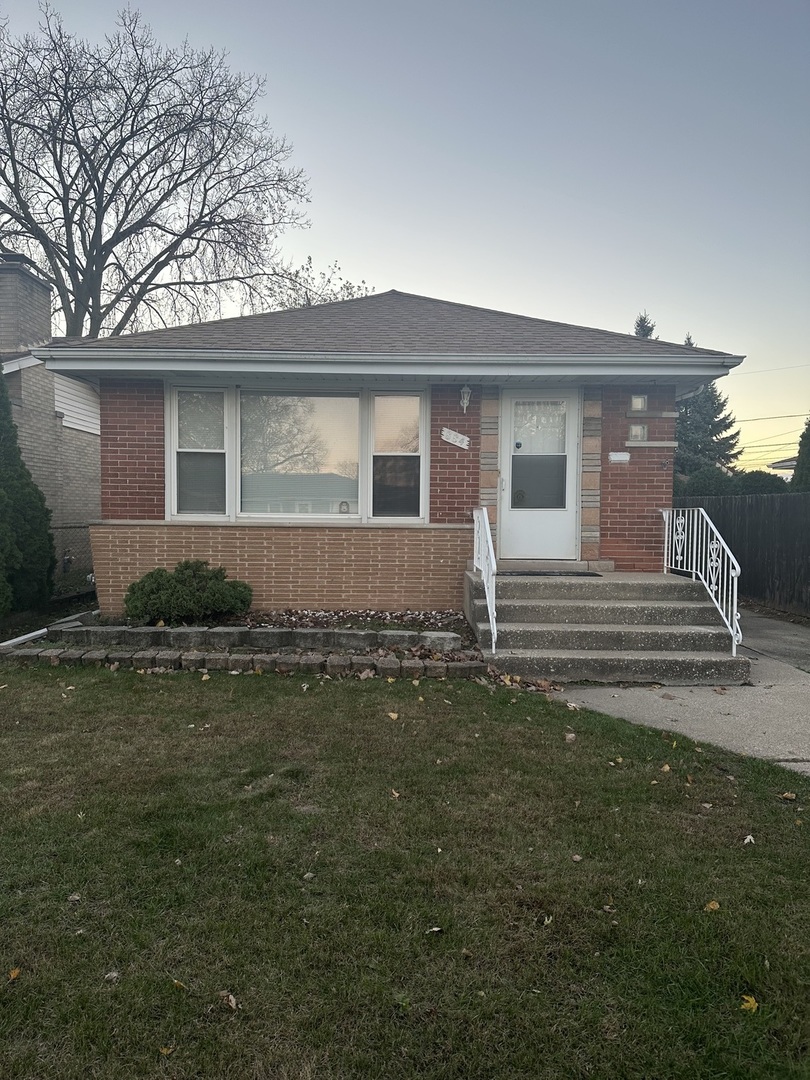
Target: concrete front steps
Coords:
[(644, 628)]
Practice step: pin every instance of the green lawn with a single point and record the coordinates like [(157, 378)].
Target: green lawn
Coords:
[(386, 895)]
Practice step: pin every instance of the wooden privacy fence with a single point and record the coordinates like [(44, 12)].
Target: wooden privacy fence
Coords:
[(770, 537)]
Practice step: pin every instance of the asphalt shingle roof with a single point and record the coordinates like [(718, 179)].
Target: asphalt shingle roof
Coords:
[(395, 323)]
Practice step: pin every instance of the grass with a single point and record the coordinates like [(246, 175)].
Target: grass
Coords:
[(293, 845)]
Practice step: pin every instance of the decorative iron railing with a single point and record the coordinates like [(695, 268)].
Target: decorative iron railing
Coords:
[(692, 545), (484, 563)]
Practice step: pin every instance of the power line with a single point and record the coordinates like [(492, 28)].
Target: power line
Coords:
[(775, 435), (767, 371), (786, 416)]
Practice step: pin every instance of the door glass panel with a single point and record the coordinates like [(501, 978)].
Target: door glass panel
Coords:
[(539, 427), (538, 481)]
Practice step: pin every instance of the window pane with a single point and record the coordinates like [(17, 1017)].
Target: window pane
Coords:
[(396, 425), (538, 482), (540, 427), (396, 486), (200, 483), (200, 420), (299, 455)]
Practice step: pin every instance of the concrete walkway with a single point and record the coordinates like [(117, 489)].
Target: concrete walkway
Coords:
[(769, 719)]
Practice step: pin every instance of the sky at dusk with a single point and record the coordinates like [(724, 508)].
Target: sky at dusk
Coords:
[(574, 160)]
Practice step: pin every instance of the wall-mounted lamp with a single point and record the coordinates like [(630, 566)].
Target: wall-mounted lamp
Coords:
[(466, 394)]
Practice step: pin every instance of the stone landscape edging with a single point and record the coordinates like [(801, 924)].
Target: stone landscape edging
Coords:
[(288, 651)]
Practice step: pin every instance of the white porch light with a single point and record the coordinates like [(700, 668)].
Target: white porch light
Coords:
[(466, 394)]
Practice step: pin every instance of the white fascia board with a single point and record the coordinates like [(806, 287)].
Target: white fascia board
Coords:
[(215, 362)]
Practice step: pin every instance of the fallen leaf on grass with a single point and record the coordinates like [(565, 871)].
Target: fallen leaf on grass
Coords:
[(228, 1000), (391, 679), (570, 736), (14, 974), (788, 796), (167, 1051), (394, 794), (205, 677), (665, 768), (367, 674), (749, 839), (576, 858), (112, 976), (179, 985), (749, 1003), (74, 898), (433, 930), (394, 715), (712, 906), (572, 705)]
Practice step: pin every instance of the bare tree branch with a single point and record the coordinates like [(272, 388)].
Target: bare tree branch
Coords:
[(143, 183)]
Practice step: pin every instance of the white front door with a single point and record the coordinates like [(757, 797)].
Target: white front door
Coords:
[(538, 515)]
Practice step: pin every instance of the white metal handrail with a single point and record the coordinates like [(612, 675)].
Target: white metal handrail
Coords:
[(693, 545), (484, 563)]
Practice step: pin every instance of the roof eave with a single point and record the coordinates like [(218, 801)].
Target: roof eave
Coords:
[(158, 362)]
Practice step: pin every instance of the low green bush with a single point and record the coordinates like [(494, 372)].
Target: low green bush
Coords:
[(193, 592)]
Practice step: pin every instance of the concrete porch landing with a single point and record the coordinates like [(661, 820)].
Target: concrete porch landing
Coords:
[(619, 628)]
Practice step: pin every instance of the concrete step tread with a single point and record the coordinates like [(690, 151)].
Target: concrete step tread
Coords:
[(637, 628), (613, 654), (606, 601)]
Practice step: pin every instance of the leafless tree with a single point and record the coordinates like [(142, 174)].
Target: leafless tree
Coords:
[(143, 183)]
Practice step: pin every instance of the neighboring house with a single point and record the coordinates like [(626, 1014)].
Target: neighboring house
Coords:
[(332, 456), (57, 421), (786, 465)]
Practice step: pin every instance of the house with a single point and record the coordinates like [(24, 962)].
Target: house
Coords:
[(784, 464), (57, 420), (332, 456)]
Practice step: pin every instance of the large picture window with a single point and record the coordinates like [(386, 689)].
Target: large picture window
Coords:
[(246, 452), (299, 455)]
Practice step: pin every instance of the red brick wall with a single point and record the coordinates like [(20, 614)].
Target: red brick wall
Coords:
[(132, 455), (631, 527), (455, 473), (386, 568)]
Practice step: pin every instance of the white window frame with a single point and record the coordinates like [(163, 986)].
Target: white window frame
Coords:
[(173, 449), (232, 451)]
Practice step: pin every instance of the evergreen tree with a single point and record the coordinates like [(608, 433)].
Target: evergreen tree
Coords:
[(26, 545), (801, 474), (705, 434), (688, 340), (644, 326), (759, 482), (706, 481)]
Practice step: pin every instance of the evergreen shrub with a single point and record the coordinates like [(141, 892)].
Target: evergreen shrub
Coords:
[(193, 592), (27, 557)]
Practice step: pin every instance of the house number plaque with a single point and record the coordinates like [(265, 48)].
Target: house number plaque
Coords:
[(456, 438)]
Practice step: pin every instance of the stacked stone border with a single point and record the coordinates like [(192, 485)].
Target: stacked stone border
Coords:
[(337, 653)]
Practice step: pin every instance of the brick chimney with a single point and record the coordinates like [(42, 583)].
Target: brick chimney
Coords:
[(25, 307)]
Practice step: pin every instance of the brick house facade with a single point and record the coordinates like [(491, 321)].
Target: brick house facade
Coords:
[(564, 434), (57, 423)]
